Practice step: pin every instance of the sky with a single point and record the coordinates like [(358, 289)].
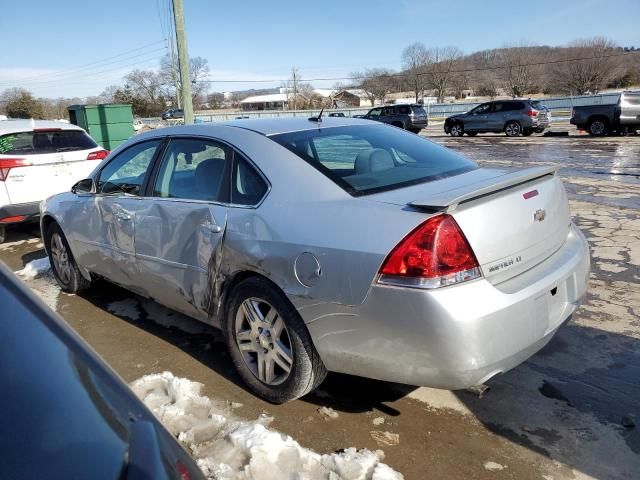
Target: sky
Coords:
[(75, 48)]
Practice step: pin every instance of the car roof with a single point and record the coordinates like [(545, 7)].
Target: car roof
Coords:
[(273, 126), (15, 126)]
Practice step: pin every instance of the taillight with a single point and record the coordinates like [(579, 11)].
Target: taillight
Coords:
[(14, 219), (435, 254), (532, 113), (6, 164), (98, 155)]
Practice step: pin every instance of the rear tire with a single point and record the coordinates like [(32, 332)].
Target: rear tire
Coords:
[(598, 127), (269, 343), (398, 124), (3, 234), (63, 265), (512, 129), (457, 129)]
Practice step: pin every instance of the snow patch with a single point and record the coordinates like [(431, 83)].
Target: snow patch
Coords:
[(228, 448), (493, 466), (35, 268), (328, 413)]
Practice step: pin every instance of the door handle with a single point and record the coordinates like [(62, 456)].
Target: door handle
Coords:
[(125, 217), (211, 227)]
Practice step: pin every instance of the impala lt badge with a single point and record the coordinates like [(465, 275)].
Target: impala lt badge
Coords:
[(539, 215)]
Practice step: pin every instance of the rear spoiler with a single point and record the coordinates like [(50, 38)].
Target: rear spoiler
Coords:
[(449, 199)]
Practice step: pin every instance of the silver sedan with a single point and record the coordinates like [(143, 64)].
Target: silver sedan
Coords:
[(334, 245)]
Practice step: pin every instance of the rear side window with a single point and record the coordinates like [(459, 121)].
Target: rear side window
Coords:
[(248, 187), (369, 159), (45, 141), (404, 110), (192, 169)]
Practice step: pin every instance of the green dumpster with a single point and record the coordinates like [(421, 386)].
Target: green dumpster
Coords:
[(108, 124)]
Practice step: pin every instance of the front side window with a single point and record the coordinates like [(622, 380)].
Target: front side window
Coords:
[(375, 112), (126, 172), (192, 169), (366, 159), (484, 108)]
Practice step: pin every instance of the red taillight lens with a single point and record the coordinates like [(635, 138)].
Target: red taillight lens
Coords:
[(532, 113), (98, 155), (182, 471), (6, 164), (14, 219), (433, 255)]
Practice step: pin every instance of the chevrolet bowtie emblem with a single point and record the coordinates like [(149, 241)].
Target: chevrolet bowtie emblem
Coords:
[(539, 215)]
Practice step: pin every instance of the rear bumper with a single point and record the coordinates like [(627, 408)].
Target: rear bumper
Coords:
[(459, 336), (27, 210)]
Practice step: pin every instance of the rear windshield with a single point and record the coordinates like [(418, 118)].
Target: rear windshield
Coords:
[(45, 141), (537, 105), (418, 110), (366, 159)]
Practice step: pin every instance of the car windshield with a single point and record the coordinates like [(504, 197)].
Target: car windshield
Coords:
[(365, 159), (45, 141)]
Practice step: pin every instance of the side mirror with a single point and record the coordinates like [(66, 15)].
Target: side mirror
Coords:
[(83, 186)]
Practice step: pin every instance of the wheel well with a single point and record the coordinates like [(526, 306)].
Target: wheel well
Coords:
[(231, 283), (47, 221), (593, 118)]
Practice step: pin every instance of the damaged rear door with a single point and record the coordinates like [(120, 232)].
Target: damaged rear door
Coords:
[(181, 225)]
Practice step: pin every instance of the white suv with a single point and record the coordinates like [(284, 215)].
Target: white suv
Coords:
[(38, 159)]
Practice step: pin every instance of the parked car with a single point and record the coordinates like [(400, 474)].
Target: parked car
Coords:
[(336, 114), (409, 117), (71, 416), (173, 113), (513, 117), (599, 120), (37, 159), (343, 245)]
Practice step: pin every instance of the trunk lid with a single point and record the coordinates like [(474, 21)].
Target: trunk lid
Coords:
[(513, 219)]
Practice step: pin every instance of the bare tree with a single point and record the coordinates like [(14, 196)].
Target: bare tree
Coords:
[(376, 83), (518, 72), (171, 83), (441, 68), (415, 59), (591, 73)]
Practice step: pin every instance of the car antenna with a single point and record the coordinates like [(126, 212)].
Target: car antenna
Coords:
[(318, 118)]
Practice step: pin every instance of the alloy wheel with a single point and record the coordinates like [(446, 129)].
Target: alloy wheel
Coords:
[(263, 340), (456, 130), (597, 128), (512, 129), (60, 258)]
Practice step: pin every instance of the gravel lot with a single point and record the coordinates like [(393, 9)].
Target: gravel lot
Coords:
[(572, 411)]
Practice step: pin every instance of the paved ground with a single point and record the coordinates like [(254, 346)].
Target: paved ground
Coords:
[(566, 413)]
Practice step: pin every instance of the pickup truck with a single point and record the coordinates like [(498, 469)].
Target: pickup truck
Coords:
[(599, 120)]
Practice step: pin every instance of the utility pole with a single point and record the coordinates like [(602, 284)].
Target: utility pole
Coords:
[(295, 90), (183, 59)]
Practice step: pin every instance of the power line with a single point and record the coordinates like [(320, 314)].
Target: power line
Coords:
[(97, 63), (404, 74)]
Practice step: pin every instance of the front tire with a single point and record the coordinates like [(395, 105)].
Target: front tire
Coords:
[(269, 343), (472, 134), (457, 129), (63, 265), (512, 129)]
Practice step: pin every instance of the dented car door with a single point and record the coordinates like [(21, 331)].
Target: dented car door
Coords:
[(180, 226)]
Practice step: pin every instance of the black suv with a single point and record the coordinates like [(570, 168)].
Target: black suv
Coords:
[(513, 117), (409, 117), (173, 113)]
